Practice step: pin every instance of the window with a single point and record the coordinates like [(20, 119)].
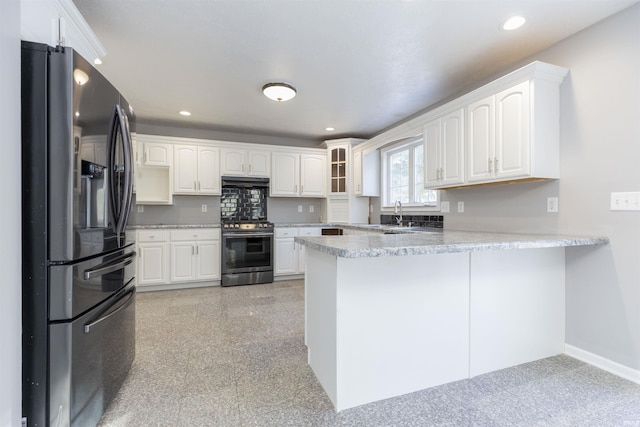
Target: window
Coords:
[(403, 176)]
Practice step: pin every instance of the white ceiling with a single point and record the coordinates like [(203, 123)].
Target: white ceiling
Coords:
[(358, 65)]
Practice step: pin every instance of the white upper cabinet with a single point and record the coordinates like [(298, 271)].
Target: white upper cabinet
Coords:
[(242, 162), (507, 130), (512, 135), (156, 154), (313, 175), (196, 170), (366, 173), (298, 174), (344, 204), (153, 170), (285, 178), (499, 141), (444, 150)]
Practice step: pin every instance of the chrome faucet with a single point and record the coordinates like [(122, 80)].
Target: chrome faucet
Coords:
[(398, 209)]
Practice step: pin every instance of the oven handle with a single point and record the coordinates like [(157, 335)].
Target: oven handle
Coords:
[(247, 234)]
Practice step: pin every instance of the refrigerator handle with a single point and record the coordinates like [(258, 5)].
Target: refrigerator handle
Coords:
[(128, 171), (111, 142), (127, 302), (120, 208), (109, 267)]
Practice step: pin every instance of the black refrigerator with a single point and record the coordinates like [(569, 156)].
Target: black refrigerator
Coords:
[(78, 280)]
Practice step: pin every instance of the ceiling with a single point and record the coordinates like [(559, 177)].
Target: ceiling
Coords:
[(359, 66)]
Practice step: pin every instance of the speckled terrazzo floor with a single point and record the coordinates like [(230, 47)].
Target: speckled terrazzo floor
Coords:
[(235, 357)]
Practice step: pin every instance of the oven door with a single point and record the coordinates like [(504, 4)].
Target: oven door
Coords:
[(247, 252)]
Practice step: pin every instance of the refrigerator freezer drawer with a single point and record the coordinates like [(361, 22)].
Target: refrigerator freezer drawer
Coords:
[(90, 359), (76, 288)]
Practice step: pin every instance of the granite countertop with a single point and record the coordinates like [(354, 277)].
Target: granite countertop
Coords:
[(167, 226), (435, 242)]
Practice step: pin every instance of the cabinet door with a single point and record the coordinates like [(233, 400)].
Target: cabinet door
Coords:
[(480, 131), (285, 175), (313, 176), (338, 170), (305, 231), (185, 169), (452, 148), (357, 173), (183, 261), (152, 263), (286, 256), (208, 260), (233, 162), (512, 140), (259, 163), (208, 170), (431, 135), (157, 154)]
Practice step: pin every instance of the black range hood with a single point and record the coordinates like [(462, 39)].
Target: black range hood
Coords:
[(244, 182)]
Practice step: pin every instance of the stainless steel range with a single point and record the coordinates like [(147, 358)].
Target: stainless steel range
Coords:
[(247, 236), (247, 253)]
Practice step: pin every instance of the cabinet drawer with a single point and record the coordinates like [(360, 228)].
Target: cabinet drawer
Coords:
[(309, 231), (195, 234), (285, 232), (153, 236)]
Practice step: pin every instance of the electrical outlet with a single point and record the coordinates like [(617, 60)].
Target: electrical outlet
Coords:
[(444, 206), (552, 204), (140, 208), (204, 208), (625, 201), (460, 207), (311, 208), (299, 208)]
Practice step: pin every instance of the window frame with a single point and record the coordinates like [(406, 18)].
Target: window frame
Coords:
[(385, 154)]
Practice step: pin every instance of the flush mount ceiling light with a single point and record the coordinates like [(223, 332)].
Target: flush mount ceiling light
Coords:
[(279, 91), (185, 113), (513, 23)]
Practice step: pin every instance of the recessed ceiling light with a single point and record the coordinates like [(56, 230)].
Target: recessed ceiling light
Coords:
[(185, 113), (329, 129), (513, 23), (97, 61)]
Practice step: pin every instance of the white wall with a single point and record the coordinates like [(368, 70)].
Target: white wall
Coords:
[(600, 154), (10, 257)]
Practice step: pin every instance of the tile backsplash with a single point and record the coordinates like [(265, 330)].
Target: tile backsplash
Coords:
[(433, 221), (238, 204)]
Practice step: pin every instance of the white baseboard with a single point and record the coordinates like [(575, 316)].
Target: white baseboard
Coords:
[(603, 363), (175, 286)]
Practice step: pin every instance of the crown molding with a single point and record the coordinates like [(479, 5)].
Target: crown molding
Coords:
[(78, 33)]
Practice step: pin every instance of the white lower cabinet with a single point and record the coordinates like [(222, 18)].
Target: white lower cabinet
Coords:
[(153, 257), (195, 255), (289, 256), (176, 256)]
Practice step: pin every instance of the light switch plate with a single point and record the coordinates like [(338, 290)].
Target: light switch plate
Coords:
[(140, 208), (629, 201), (444, 206), (204, 208), (299, 208), (311, 208), (552, 204), (460, 207)]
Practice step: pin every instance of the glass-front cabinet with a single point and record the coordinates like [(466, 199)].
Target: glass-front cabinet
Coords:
[(338, 156)]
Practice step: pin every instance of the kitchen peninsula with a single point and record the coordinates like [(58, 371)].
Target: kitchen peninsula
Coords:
[(390, 314)]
